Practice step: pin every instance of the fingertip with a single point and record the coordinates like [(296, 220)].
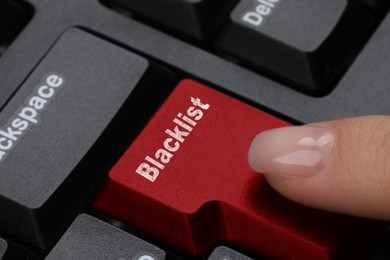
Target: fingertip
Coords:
[(291, 151), (255, 154), (339, 166)]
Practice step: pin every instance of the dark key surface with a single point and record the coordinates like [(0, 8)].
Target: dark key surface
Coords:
[(198, 19), (360, 91), (91, 238), (375, 3), (9, 250), (46, 174), (295, 41), (12, 17), (225, 253), (3, 248)]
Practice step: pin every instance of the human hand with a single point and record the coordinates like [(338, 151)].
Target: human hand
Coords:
[(341, 166)]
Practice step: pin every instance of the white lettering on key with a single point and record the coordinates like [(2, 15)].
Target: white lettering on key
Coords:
[(28, 114), (185, 124), (263, 9)]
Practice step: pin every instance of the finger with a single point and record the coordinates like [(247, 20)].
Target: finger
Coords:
[(341, 166)]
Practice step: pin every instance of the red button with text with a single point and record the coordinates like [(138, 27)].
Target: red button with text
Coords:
[(186, 181)]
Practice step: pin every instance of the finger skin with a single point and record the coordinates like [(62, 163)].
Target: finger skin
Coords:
[(356, 178)]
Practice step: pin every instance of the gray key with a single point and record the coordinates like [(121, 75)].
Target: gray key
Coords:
[(50, 162), (293, 41), (3, 248), (225, 253), (90, 238), (199, 19)]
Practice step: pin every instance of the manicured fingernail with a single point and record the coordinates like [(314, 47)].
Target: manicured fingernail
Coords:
[(291, 151)]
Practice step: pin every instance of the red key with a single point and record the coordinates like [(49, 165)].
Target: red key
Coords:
[(185, 181)]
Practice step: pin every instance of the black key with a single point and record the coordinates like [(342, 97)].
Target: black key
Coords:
[(307, 44), (375, 3), (225, 253), (12, 17), (199, 19), (90, 238), (55, 143), (363, 88), (10, 251), (3, 248)]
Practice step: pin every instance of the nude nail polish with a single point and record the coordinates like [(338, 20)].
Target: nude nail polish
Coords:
[(291, 151)]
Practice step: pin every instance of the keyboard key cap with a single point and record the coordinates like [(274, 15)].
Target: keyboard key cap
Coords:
[(376, 3), (3, 248), (59, 132), (295, 41), (10, 251), (12, 17), (91, 238), (366, 81), (225, 253), (195, 18), (187, 173)]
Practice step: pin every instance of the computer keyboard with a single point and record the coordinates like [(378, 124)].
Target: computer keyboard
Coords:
[(125, 124)]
